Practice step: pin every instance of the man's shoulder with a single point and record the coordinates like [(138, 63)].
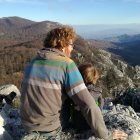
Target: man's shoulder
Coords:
[(63, 59)]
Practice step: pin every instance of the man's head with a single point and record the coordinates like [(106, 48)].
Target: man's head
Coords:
[(61, 38), (89, 73)]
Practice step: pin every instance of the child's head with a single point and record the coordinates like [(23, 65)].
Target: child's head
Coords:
[(89, 73)]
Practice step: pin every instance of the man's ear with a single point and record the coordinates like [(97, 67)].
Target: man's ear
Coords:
[(63, 50)]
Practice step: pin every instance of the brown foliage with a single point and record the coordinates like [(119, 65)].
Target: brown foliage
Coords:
[(12, 63)]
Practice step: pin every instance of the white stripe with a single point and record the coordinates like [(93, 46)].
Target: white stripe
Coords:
[(76, 89), (44, 84)]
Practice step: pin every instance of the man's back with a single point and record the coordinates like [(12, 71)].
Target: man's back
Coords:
[(42, 91)]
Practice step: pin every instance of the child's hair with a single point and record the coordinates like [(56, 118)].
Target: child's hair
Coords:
[(89, 73)]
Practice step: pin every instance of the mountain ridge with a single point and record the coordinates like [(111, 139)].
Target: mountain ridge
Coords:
[(15, 30), (101, 31)]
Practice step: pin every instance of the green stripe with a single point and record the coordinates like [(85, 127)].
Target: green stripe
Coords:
[(56, 63), (72, 65)]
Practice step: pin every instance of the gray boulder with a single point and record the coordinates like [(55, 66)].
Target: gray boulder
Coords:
[(7, 89), (123, 118)]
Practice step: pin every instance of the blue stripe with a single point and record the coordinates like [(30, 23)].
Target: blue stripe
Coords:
[(43, 73), (73, 77)]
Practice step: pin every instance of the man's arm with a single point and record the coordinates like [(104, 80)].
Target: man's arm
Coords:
[(91, 112)]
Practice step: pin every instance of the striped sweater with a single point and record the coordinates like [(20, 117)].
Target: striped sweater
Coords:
[(48, 80)]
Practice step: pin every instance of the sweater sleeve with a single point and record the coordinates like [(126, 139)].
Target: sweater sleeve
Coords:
[(77, 90), (92, 113), (73, 80)]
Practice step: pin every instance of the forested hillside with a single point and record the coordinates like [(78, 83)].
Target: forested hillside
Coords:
[(19, 45)]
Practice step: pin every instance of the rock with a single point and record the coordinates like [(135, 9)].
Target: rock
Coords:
[(118, 116), (118, 73), (134, 137), (7, 89), (130, 97), (8, 116), (122, 66), (8, 93), (137, 72), (123, 118), (11, 122), (4, 135)]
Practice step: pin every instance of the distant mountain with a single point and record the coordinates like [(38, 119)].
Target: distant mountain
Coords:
[(14, 22), (102, 44), (101, 31), (128, 51), (124, 38), (14, 30), (125, 47)]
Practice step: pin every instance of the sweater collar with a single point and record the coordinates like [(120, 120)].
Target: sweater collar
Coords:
[(46, 53)]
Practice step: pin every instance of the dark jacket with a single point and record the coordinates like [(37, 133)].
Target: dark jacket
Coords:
[(96, 92)]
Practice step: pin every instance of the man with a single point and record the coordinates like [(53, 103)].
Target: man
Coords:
[(50, 78)]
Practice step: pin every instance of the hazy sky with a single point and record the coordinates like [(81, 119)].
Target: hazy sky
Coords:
[(74, 11)]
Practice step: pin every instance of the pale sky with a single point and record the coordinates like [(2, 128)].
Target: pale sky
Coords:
[(74, 12)]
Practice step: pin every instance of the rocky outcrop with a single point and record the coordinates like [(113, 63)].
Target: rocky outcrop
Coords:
[(123, 118), (116, 116), (11, 122), (9, 88), (116, 74), (130, 97), (137, 74), (7, 94)]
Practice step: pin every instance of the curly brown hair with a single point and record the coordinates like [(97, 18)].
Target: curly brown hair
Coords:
[(59, 37), (89, 73)]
